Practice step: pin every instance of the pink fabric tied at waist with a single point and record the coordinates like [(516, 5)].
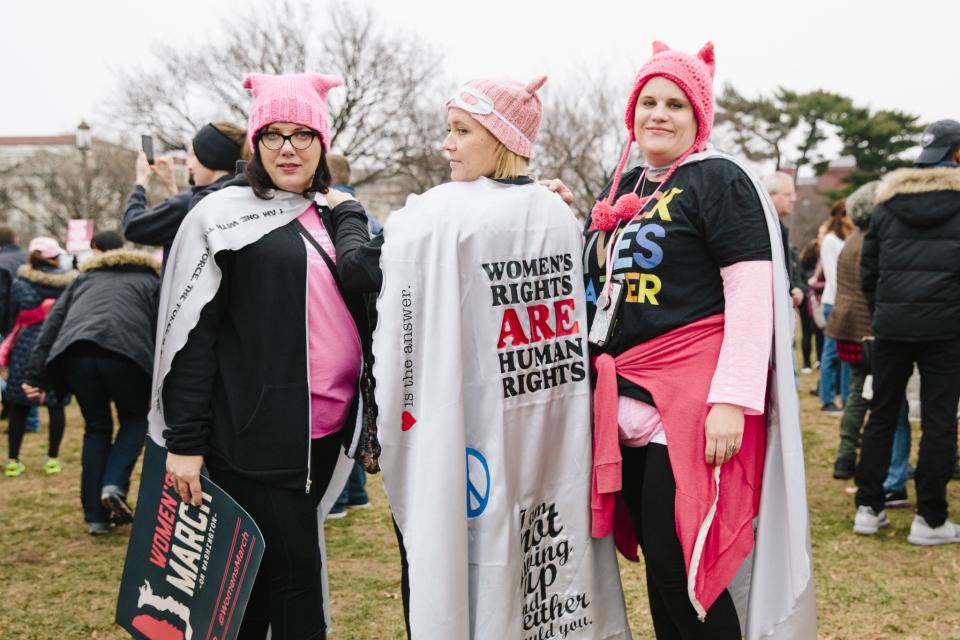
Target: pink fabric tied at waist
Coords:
[(677, 369)]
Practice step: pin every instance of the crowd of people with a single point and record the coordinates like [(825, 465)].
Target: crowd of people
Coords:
[(275, 362)]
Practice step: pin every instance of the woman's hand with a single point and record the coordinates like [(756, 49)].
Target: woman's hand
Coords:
[(164, 170), (556, 185), (185, 473), (336, 197), (143, 170), (34, 394), (724, 429)]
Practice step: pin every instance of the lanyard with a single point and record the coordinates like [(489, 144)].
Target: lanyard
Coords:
[(604, 299)]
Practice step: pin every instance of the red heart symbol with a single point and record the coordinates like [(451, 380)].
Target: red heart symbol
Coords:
[(407, 421)]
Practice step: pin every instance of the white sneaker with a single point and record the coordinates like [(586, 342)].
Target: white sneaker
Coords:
[(806, 370), (924, 534), (868, 521)]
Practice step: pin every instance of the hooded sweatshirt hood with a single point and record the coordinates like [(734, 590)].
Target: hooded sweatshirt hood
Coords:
[(916, 198)]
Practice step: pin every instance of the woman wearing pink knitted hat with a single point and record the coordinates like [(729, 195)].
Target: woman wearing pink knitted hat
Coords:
[(697, 452), (482, 389), (259, 355)]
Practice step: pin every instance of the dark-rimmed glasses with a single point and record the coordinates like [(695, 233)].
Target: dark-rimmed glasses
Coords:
[(299, 140)]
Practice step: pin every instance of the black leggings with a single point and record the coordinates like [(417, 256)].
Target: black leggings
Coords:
[(648, 491), (18, 424), (287, 596)]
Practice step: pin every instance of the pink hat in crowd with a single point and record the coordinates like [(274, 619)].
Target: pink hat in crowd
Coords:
[(509, 110), (46, 247), (300, 98), (694, 76)]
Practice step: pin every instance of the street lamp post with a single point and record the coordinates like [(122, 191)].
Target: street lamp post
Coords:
[(84, 143)]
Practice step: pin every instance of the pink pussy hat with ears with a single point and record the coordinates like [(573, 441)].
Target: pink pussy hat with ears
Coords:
[(694, 76), (300, 98), (509, 110)]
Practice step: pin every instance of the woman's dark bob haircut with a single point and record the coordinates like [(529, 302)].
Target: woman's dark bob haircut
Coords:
[(262, 185)]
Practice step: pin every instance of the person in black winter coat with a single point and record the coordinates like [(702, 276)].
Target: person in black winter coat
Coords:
[(37, 286), (263, 384), (11, 257), (98, 343), (211, 162), (910, 275)]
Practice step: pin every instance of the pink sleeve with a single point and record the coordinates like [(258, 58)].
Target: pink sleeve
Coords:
[(741, 375)]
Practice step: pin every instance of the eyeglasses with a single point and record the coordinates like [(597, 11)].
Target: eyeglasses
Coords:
[(299, 140), (482, 105)]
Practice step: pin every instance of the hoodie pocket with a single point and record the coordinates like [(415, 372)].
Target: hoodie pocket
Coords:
[(276, 432)]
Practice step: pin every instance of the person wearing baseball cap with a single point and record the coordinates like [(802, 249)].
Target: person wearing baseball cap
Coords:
[(941, 144), (910, 275)]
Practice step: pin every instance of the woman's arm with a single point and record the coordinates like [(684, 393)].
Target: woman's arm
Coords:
[(741, 374), (188, 386), (740, 380), (187, 396), (156, 226), (358, 256)]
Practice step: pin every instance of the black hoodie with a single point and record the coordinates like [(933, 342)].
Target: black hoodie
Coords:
[(910, 265)]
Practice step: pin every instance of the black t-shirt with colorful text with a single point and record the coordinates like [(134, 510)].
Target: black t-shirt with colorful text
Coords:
[(670, 257)]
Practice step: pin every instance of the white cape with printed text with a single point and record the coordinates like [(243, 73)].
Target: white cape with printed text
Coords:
[(484, 398)]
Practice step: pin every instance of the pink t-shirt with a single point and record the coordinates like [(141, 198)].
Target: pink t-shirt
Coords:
[(333, 342)]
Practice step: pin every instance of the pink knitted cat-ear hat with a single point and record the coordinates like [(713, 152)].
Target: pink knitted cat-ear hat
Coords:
[(300, 98), (509, 110), (694, 75)]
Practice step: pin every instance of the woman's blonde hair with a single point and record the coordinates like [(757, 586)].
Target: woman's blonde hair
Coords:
[(509, 164), (236, 133)]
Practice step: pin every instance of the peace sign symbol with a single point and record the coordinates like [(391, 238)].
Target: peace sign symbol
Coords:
[(478, 483)]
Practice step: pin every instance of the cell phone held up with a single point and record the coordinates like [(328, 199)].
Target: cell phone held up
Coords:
[(146, 142)]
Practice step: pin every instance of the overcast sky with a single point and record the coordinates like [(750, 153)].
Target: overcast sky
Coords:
[(58, 59)]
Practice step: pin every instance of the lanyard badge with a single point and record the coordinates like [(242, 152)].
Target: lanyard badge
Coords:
[(612, 293), (604, 320)]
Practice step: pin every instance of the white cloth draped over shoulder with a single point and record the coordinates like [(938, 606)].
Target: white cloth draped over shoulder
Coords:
[(482, 386), (774, 590), (226, 220)]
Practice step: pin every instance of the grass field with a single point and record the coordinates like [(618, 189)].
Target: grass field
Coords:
[(58, 582)]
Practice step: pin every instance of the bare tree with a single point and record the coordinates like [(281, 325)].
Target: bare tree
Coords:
[(386, 76), (50, 187), (581, 138), (757, 128)]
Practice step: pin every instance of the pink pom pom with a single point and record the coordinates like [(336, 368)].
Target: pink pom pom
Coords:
[(603, 216), (627, 206)]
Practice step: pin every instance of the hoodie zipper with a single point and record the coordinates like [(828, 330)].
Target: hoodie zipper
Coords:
[(306, 335)]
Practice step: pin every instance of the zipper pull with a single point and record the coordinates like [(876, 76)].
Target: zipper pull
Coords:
[(309, 482)]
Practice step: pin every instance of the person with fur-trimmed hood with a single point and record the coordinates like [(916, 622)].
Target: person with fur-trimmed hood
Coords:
[(910, 274), (32, 294), (98, 343), (849, 325)]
